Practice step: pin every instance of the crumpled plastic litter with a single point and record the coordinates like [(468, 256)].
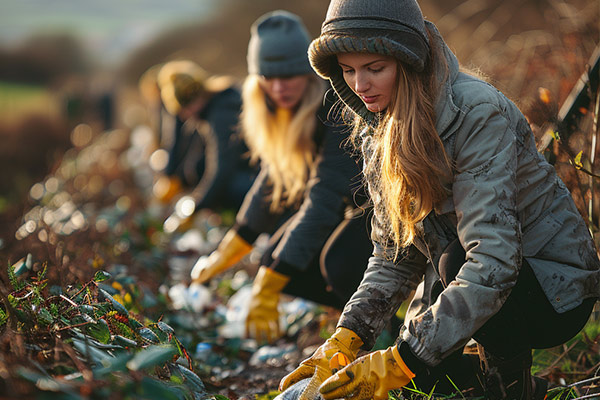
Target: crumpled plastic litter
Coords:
[(294, 391), (272, 354), (292, 314), (194, 297)]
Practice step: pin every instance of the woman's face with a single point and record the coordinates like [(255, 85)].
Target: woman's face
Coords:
[(285, 92), (371, 76)]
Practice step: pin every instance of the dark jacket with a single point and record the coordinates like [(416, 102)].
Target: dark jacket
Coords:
[(506, 203), (207, 152), (333, 181)]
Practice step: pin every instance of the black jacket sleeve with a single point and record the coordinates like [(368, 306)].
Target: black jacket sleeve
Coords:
[(172, 141), (255, 216), (334, 178), (218, 124)]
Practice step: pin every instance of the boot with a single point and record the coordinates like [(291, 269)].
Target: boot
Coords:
[(510, 378)]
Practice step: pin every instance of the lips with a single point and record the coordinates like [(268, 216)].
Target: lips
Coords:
[(369, 99)]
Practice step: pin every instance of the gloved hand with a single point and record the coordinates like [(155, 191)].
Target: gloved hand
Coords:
[(262, 322), (318, 365), (231, 250), (369, 377), (181, 218), (167, 187)]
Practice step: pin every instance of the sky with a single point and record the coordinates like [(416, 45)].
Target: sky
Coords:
[(107, 27)]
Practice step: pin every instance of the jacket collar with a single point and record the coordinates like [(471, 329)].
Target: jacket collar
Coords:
[(445, 109)]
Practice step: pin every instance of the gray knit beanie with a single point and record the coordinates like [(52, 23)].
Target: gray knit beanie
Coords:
[(278, 45), (391, 27)]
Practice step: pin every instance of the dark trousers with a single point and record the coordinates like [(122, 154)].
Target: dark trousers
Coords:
[(526, 321), (334, 274)]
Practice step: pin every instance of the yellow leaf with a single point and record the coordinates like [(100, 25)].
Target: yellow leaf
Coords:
[(577, 160), (545, 95), (554, 134)]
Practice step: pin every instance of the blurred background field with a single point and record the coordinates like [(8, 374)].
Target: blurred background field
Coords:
[(70, 109), (60, 60)]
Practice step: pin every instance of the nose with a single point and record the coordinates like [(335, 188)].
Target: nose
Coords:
[(278, 85), (361, 83)]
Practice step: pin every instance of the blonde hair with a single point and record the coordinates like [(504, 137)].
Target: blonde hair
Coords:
[(281, 140), (407, 166)]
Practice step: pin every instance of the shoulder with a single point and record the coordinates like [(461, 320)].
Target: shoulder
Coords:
[(469, 92), (479, 103), (228, 98)]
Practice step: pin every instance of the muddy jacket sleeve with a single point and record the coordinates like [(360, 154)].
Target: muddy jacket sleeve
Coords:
[(485, 201), (328, 191), (223, 149), (384, 287)]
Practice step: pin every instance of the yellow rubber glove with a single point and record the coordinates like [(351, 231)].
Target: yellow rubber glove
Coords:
[(369, 377), (165, 188), (231, 250), (318, 366), (262, 322)]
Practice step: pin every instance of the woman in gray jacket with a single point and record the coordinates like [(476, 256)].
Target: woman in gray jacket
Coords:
[(467, 212)]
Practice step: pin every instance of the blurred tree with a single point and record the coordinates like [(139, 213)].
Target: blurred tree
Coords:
[(43, 60)]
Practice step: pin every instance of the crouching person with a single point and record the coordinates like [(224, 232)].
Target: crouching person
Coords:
[(466, 211), (304, 195)]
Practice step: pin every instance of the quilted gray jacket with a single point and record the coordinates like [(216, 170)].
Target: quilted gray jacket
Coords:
[(506, 203)]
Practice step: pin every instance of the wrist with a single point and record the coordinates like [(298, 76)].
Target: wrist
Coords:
[(348, 339), (410, 359)]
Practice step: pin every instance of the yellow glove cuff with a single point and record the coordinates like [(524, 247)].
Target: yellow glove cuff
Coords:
[(269, 280), (229, 252), (401, 363)]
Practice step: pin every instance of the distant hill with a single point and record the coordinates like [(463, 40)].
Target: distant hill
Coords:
[(496, 36)]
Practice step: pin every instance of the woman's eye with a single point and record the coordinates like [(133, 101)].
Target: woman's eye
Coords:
[(378, 69), (347, 71)]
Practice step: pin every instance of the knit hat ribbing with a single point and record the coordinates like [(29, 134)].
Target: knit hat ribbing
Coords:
[(278, 45), (394, 28)]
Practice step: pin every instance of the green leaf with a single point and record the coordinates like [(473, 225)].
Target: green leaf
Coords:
[(165, 328), (47, 383), (101, 276), (123, 341), (148, 335), (220, 397), (3, 317), (151, 356), (99, 331), (153, 389), (45, 317), (116, 305), (87, 309), (192, 380), (134, 323), (95, 355), (110, 366)]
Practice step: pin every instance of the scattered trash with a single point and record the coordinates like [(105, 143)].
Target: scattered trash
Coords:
[(194, 297), (23, 265), (272, 354), (237, 311), (192, 240)]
